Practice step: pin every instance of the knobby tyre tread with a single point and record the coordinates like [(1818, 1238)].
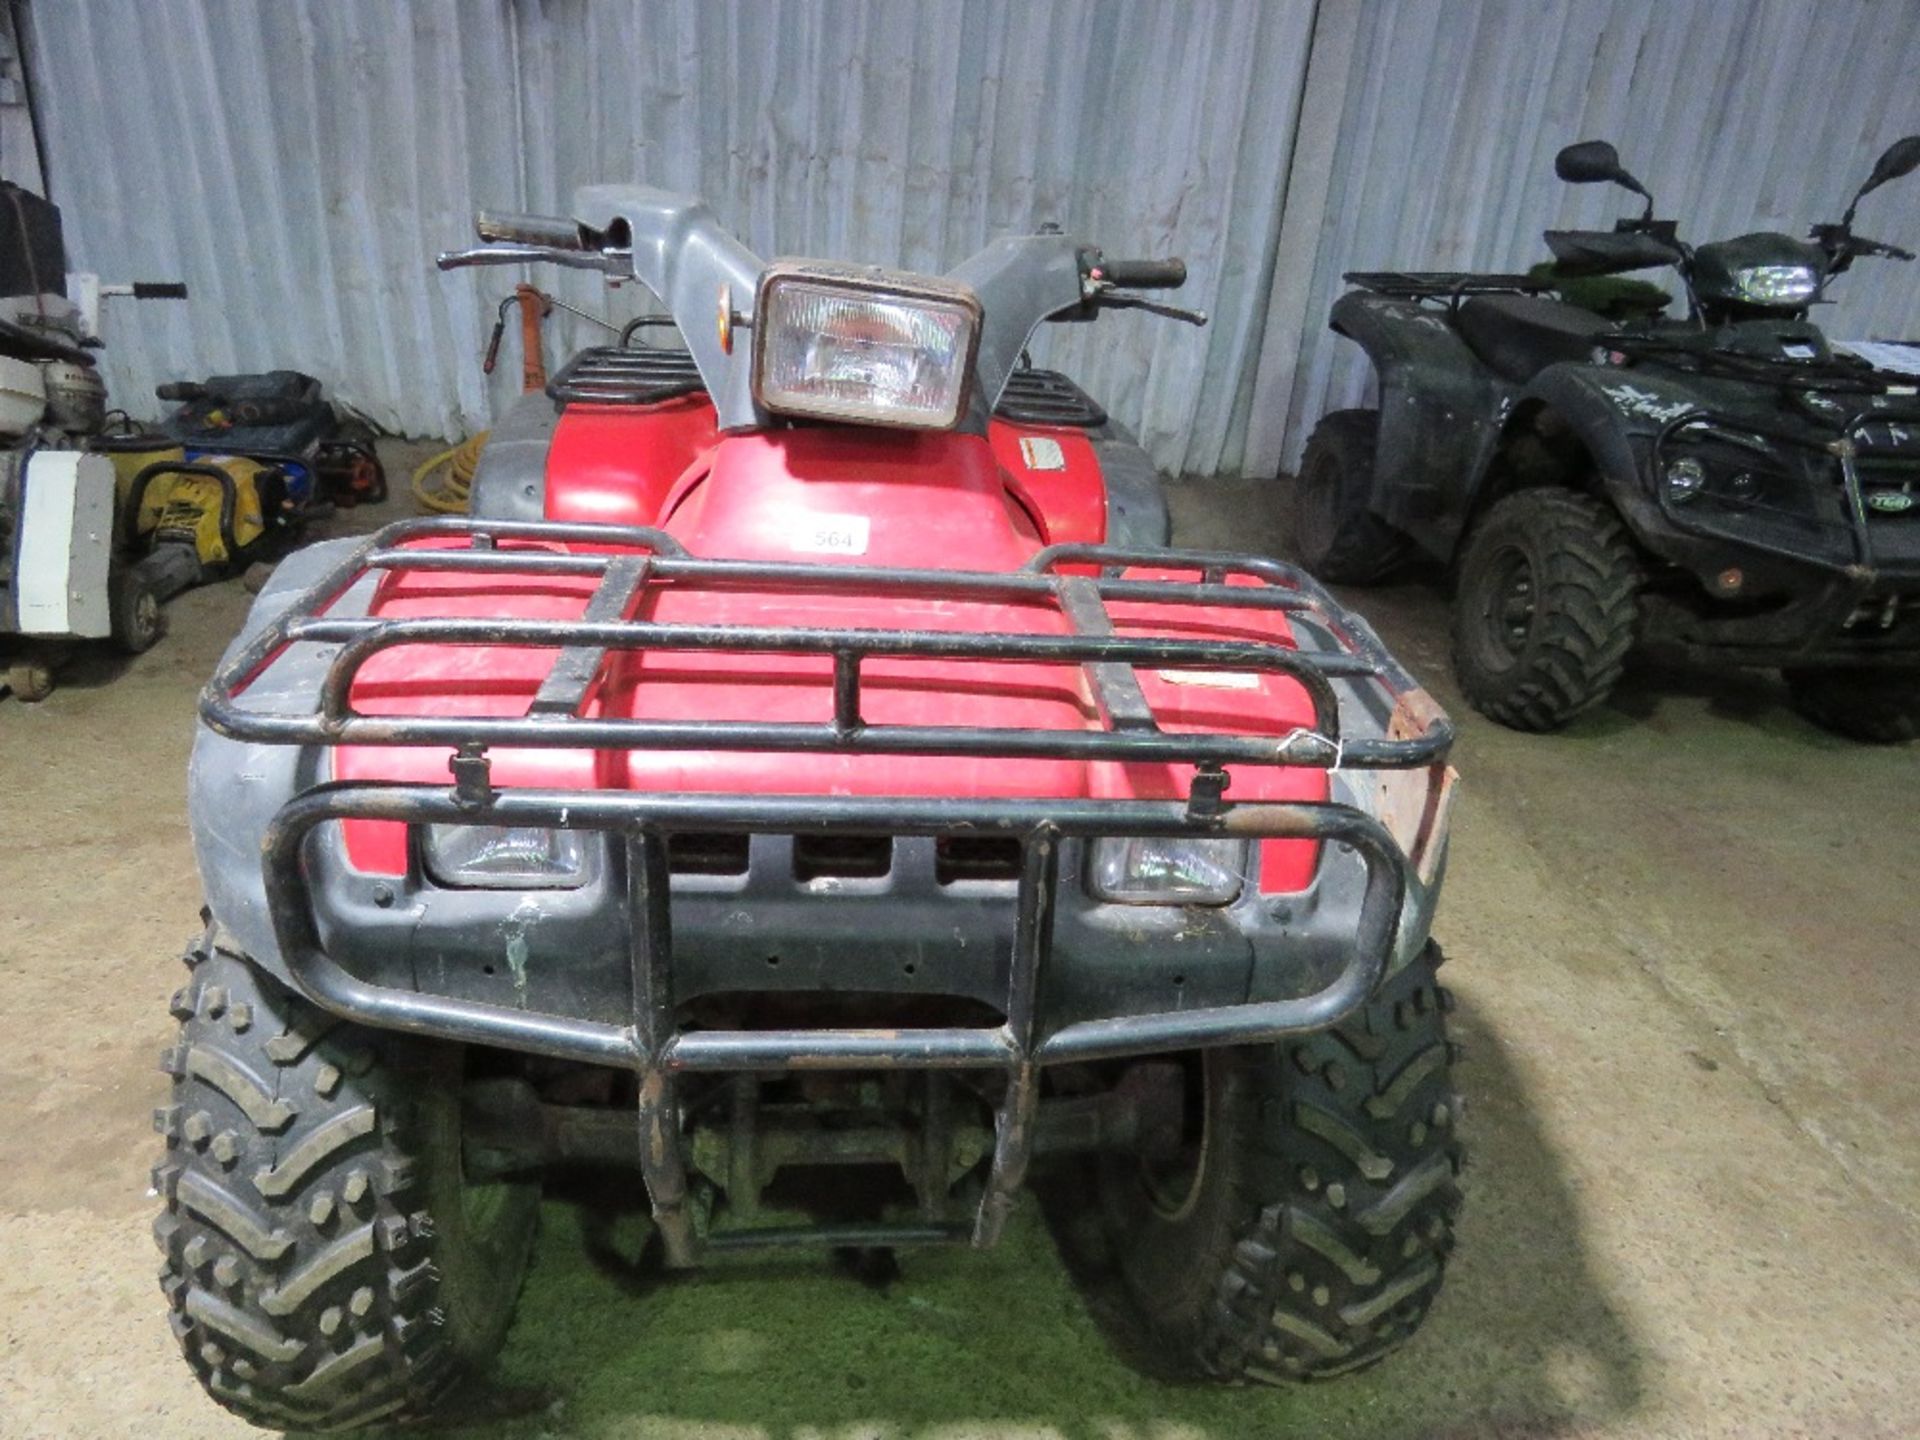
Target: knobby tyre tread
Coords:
[(1341, 540), (320, 1267), (1587, 585), (1321, 1229)]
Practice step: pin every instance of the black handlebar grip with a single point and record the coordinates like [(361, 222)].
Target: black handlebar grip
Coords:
[(159, 290), (548, 230), (1144, 274)]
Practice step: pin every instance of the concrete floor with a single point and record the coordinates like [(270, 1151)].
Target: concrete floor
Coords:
[(1683, 938)]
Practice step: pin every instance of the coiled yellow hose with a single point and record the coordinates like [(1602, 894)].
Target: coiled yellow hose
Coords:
[(452, 494)]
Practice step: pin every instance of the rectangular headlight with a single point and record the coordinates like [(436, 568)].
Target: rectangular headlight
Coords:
[(1167, 871), (874, 347), (499, 857)]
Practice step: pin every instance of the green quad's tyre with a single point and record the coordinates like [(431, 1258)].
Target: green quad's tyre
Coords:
[(1546, 608), (1306, 1228), (1880, 707), (326, 1263), (1336, 536)]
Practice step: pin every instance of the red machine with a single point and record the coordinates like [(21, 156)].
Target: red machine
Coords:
[(807, 754)]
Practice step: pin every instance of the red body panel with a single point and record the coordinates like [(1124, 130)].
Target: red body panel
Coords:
[(1069, 502), (616, 464), (831, 496)]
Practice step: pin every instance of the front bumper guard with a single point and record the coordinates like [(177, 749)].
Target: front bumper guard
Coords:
[(659, 1052)]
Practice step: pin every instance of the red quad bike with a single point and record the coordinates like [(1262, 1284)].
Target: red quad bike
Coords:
[(779, 771)]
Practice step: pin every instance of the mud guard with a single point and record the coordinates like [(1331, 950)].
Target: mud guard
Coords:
[(1441, 412), (1616, 415), (510, 482)]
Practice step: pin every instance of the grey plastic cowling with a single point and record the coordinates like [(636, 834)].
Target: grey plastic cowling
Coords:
[(682, 253)]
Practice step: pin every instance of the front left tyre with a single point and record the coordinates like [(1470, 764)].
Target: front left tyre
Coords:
[(1876, 707), (1304, 1230), (1545, 609), (327, 1263)]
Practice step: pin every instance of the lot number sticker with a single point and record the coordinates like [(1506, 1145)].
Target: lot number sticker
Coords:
[(833, 535)]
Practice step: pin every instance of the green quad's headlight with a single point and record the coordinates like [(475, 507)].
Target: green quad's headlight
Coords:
[(1777, 284)]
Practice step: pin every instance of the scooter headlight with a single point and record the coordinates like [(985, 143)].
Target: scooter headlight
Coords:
[(1163, 870), (502, 857), (1777, 284), (874, 347)]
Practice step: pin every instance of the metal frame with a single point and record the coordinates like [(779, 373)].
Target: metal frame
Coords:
[(1841, 444), (635, 556), (1451, 286), (651, 1043)]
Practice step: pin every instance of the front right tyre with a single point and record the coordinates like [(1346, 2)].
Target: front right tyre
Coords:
[(327, 1264)]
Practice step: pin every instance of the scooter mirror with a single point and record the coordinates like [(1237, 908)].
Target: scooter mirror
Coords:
[(1900, 158), (1588, 163)]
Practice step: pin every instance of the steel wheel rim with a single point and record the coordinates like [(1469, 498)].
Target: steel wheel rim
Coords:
[(1508, 605), (1173, 1188)]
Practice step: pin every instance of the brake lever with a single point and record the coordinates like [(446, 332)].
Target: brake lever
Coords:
[(1119, 300), (611, 261)]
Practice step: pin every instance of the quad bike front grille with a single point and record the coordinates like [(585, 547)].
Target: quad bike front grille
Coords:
[(640, 375), (1046, 397), (651, 835)]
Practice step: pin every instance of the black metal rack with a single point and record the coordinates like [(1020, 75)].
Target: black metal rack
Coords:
[(625, 375), (1444, 284), (624, 561), (1841, 443)]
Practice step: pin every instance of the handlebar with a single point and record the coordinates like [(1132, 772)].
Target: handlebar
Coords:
[(1843, 247), (1860, 245), (550, 231), (159, 290), (1142, 274)]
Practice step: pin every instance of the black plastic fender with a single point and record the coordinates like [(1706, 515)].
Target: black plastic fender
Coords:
[(1616, 415), (235, 787), (1440, 415)]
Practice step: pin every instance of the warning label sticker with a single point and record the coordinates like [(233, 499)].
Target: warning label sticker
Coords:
[(1040, 453)]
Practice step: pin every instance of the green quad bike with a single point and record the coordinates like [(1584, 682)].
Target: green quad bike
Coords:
[(1730, 486)]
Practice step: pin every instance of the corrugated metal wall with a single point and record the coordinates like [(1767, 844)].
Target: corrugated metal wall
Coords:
[(298, 164), (1763, 115)]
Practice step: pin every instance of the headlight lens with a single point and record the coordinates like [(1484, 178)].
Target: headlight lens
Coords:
[(1685, 479), (866, 346), (498, 857), (1777, 284), (1167, 871)]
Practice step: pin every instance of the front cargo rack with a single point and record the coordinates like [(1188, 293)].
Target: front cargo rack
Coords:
[(1079, 579), (627, 559)]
